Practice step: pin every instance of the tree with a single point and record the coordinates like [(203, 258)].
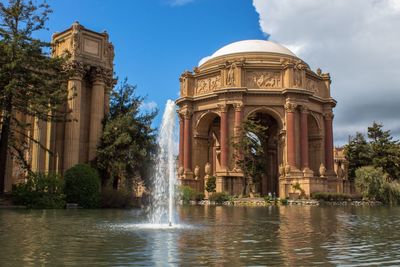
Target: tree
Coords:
[(385, 152), (358, 153), (128, 144), (250, 155), (31, 82)]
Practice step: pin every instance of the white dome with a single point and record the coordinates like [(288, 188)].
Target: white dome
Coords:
[(247, 46)]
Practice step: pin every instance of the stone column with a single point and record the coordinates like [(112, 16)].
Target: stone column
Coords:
[(224, 137), (96, 111), (181, 140), (328, 118), (304, 137), (187, 160), (72, 127), (291, 133), (238, 125)]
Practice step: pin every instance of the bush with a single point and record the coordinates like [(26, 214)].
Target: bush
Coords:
[(82, 186), (219, 197), (390, 193), (111, 198), (41, 191), (187, 194), (369, 182), (334, 196), (211, 184)]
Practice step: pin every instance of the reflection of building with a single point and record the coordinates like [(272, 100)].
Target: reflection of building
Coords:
[(266, 80), (76, 141)]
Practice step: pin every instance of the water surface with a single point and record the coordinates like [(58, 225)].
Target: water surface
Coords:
[(231, 236)]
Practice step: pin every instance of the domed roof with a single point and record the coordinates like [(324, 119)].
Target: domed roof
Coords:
[(248, 46)]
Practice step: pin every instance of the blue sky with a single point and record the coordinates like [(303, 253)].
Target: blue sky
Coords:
[(156, 40)]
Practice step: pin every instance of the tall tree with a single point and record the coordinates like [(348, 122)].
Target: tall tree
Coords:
[(358, 153), (128, 144), (385, 150), (250, 155), (31, 82)]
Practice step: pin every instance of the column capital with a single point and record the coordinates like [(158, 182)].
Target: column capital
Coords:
[(328, 115), (223, 107), (304, 109), (238, 106), (101, 75), (187, 114), (290, 107), (76, 69)]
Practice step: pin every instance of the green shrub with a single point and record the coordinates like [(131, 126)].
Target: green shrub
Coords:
[(111, 198), (219, 197), (369, 182), (325, 196), (82, 186), (186, 193), (284, 201), (199, 196), (390, 193), (211, 184), (41, 191)]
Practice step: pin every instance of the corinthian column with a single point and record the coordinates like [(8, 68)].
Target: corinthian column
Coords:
[(98, 76), (238, 125), (291, 133), (72, 126), (181, 140), (328, 118), (304, 137), (224, 137), (187, 161)]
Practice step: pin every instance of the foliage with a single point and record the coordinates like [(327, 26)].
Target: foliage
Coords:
[(187, 194), (369, 182), (374, 184), (128, 144), (385, 152), (270, 198), (334, 196), (219, 198), (390, 193), (250, 154), (211, 184), (31, 82), (41, 191), (381, 152), (111, 198), (82, 186), (358, 152), (284, 201)]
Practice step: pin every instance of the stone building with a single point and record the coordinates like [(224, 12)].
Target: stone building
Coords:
[(75, 141), (265, 80)]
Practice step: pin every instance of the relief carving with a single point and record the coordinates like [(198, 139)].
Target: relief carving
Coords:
[(312, 86), (207, 85), (264, 80), (230, 77), (76, 39)]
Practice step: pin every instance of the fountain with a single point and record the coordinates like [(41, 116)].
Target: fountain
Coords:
[(164, 181)]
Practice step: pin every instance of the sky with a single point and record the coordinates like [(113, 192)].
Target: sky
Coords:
[(356, 41)]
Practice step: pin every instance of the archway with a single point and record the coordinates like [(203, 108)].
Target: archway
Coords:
[(268, 182), (314, 144), (207, 140)]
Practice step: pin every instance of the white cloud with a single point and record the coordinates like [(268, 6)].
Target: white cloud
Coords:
[(357, 41), (179, 2), (148, 106)]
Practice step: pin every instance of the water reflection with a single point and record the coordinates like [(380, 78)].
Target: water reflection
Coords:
[(289, 236)]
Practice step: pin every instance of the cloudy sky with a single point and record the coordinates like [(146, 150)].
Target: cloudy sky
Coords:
[(357, 41)]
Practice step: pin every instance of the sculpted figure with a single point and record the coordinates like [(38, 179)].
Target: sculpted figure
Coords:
[(196, 172), (322, 170)]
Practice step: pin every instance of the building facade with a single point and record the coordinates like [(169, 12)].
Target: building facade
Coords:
[(75, 141), (261, 79)]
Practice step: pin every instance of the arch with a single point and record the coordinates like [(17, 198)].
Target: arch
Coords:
[(204, 121), (272, 112), (314, 143)]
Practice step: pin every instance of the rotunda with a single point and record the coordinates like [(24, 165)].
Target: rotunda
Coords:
[(265, 80)]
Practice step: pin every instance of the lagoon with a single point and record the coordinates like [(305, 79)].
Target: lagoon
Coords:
[(206, 235)]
